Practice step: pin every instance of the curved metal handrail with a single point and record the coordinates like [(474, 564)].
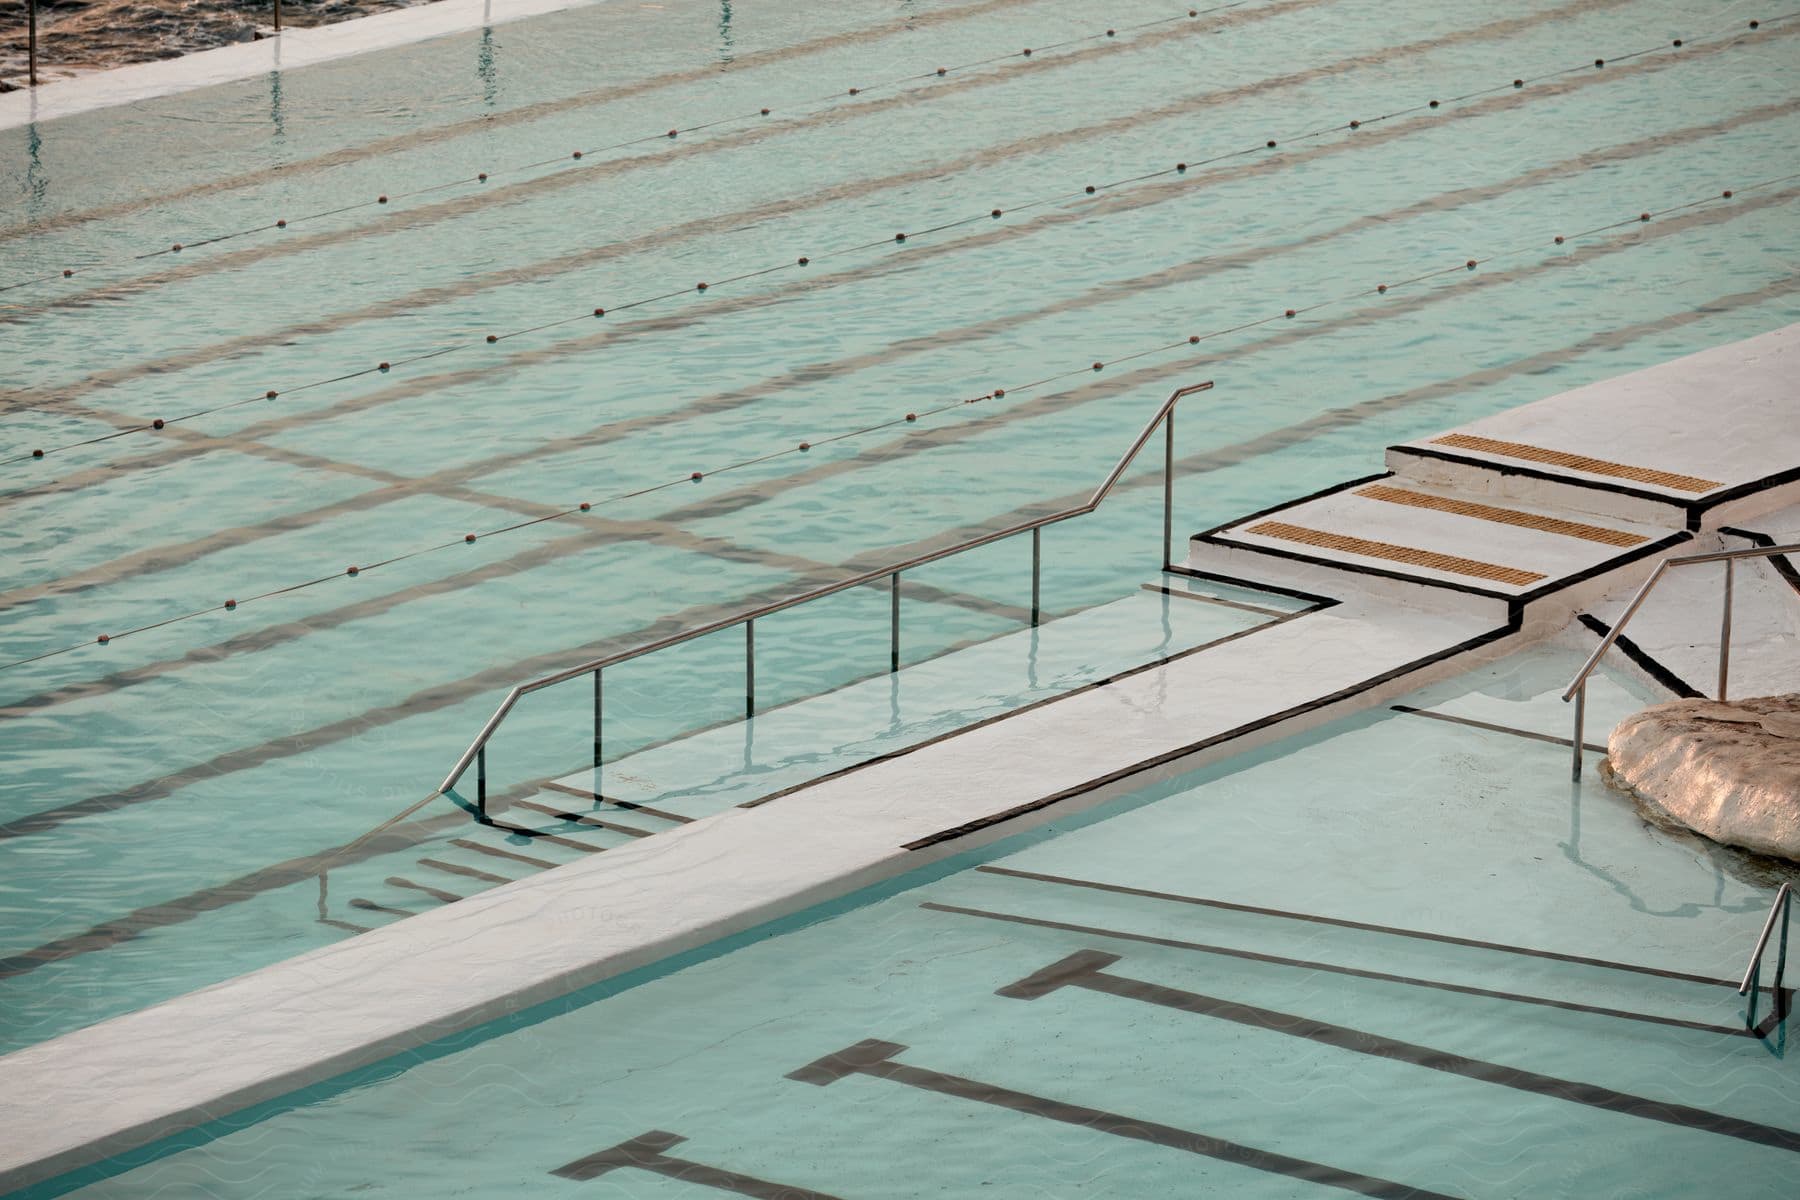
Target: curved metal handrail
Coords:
[(1577, 689), (1165, 416)]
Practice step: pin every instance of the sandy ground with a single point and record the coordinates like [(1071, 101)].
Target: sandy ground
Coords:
[(76, 36)]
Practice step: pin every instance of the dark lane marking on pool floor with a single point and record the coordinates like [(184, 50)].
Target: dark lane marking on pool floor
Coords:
[(645, 1152), (1086, 969), (1362, 926), (876, 1058), (1472, 723), (1335, 969)]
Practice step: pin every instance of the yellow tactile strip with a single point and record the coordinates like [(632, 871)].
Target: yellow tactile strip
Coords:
[(1578, 462), (1503, 516), (1400, 554)]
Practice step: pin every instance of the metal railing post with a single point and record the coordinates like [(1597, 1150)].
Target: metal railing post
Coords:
[(1580, 716), (1725, 633), (481, 780), (1037, 559), (750, 668), (277, 16), (894, 622), (598, 695), (1168, 488), (31, 44)]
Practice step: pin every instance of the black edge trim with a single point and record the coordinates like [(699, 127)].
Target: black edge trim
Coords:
[(1784, 566), (1475, 643), (1357, 568), (1647, 550), (1642, 658), (1680, 504), (1091, 685), (1274, 589)]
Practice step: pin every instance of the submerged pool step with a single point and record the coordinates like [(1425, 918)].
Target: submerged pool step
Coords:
[(534, 835)]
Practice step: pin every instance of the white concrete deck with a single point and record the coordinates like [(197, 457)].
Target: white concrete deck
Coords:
[(130, 1080), (290, 50)]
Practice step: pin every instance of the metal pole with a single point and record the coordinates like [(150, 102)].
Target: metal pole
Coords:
[(1580, 713), (1037, 558), (749, 668), (31, 43), (1725, 632), (1781, 961), (598, 695), (481, 781), (894, 621), (277, 16), (1168, 488)]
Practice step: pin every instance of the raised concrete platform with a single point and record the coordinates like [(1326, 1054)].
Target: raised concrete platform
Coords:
[(1397, 622), (1715, 435)]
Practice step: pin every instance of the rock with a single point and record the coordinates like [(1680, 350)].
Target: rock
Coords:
[(1729, 771)]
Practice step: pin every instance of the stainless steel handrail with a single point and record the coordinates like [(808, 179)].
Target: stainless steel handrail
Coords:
[(1578, 686), (1165, 417), (1752, 974)]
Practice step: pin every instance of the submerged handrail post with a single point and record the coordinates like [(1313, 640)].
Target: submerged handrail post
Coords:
[(1580, 717), (1037, 558), (481, 780), (750, 668), (598, 694), (894, 622), (1168, 559), (1753, 975), (1725, 633)]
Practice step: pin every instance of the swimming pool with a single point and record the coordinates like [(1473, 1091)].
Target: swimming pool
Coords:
[(1262, 985), (184, 771)]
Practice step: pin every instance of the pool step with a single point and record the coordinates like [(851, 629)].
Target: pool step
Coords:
[(1402, 538), (549, 830)]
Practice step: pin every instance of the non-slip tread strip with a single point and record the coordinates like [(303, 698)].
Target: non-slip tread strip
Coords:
[(1503, 516), (1578, 462), (1410, 555)]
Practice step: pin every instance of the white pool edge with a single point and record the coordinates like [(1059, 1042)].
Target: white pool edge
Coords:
[(287, 51)]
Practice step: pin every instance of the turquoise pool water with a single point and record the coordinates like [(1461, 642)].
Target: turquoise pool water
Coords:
[(1268, 1006), (158, 791)]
